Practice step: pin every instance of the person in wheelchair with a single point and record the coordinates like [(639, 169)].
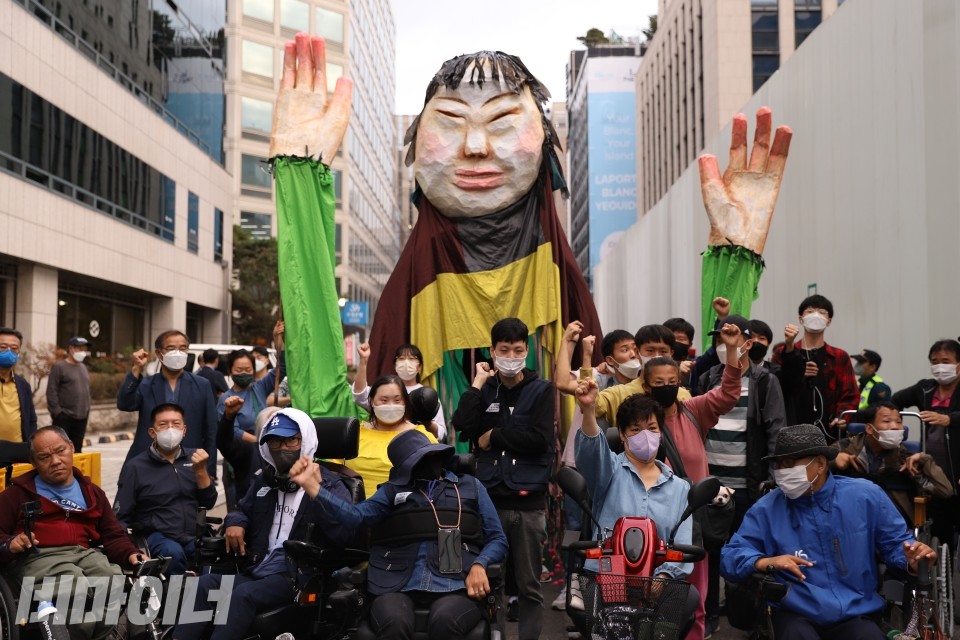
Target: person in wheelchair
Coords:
[(434, 534), (75, 517), (821, 534), (160, 490), (634, 482), (878, 454), (273, 510)]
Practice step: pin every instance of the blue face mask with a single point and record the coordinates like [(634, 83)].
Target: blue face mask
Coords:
[(8, 359)]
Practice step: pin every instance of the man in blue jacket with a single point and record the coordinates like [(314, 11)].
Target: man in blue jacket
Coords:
[(160, 490), (821, 534), (174, 385), (273, 511)]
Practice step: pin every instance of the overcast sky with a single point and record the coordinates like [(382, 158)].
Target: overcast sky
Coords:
[(541, 32)]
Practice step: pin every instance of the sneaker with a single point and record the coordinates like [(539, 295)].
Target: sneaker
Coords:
[(560, 602), (576, 597), (513, 610), (710, 626)]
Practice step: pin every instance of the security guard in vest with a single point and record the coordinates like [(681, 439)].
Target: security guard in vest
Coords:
[(872, 387), (508, 414), (433, 535)]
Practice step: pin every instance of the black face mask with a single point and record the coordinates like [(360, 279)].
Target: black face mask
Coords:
[(758, 351), (284, 460), (665, 396), (681, 352)]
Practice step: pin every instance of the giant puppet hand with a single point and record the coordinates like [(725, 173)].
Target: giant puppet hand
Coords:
[(305, 123), (740, 204)]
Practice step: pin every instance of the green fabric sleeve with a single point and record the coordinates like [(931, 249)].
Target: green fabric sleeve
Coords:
[(316, 366), (731, 272)]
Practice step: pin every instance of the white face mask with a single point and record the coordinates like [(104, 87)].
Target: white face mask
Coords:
[(510, 367), (259, 365), (406, 369), (793, 481), (722, 353), (80, 356), (175, 360), (169, 439), (629, 369), (944, 373), (889, 439), (389, 413), (645, 359), (814, 323)]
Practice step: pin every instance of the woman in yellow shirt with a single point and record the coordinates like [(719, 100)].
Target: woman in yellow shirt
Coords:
[(390, 408)]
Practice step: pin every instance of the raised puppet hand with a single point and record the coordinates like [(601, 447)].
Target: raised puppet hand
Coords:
[(740, 204), (304, 122)]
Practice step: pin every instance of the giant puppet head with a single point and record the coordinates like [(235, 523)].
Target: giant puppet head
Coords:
[(480, 142)]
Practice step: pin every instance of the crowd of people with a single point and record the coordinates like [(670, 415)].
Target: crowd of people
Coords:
[(810, 501)]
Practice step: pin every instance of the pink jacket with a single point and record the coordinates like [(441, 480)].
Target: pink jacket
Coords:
[(707, 409)]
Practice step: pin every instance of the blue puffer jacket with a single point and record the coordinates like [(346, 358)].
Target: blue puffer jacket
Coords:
[(841, 528)]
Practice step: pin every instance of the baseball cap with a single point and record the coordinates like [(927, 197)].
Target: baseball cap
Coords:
[(78, 341), (738, 321), (280, 426), (868, 356)]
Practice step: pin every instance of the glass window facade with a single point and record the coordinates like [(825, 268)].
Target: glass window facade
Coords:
[(258, 224), (119, 328), (295, 15), (765, 33), (256, 115), (257, 59), (259, 9), (253, 172), (807, 17), (189, 51), (193, 223), (334, 71), (218, 235), (74, 160), (330, 25)]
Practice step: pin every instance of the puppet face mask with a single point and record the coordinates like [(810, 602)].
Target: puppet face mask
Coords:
[(478, 150)]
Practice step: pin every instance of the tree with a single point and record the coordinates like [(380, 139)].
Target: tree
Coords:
[(594, 37), (651, 29), (255, 288), (36, 360)]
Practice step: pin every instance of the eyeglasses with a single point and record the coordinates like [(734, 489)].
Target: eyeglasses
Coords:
[(171, 348), (276, 444), (172, 424)]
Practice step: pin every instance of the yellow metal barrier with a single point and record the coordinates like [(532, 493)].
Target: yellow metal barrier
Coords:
[(87, 463)]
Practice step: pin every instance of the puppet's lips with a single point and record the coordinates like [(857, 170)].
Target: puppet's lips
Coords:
[(478, 179)]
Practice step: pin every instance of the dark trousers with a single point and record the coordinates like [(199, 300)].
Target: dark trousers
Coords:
[(249, 596), (451, 615), (742, 503), (790, 626), (526, 533), (76, 428), (181, 555)]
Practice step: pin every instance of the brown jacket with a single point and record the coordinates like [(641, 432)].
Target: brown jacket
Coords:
[(901, 487)]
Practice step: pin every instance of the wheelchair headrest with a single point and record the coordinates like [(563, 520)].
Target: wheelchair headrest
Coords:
[(464, 463), (337, 437), (424, 404), (613, 440)]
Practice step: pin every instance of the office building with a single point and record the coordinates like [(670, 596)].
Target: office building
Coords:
[(360, 43), (113, 201), (704, 62), (601, 148)]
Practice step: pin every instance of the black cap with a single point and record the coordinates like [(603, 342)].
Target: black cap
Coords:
[(78, 341), (868, 356), (738, 321)]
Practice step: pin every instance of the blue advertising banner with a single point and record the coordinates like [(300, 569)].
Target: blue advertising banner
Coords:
[(612, 166), (354, 312)]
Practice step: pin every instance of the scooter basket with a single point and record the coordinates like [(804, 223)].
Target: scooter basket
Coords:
[(622, 606)]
